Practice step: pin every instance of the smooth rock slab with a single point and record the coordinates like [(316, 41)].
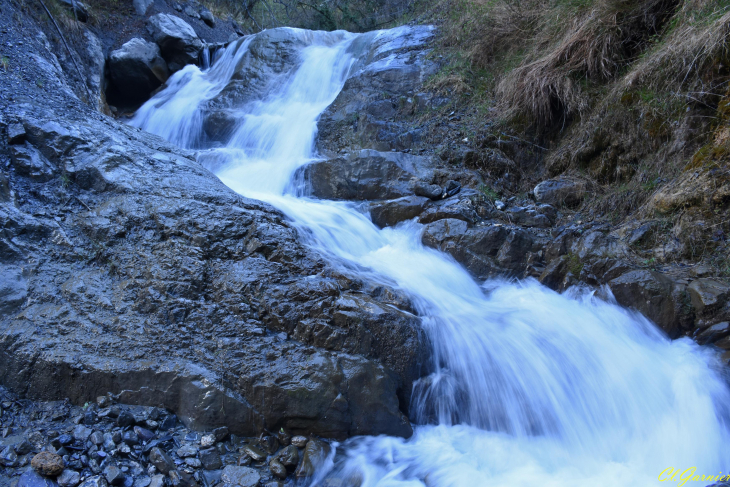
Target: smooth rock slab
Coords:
[(243, 476), (137, 69)]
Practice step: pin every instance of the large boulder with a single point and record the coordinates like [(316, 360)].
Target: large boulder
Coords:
[(154, 281), (708, 295), (656, 296), (392, 212), (178, 41), (560, 191), (365, 175), (137, 69)]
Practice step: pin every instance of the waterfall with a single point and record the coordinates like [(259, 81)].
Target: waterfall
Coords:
[(532, 388)]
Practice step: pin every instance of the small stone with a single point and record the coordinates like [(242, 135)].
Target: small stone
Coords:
[(31, 478), (103, 401), (23, 448), (315, 454), (108, 442), (211, 459), (498, 204), (82, 433), (211, 477), (299, 441), (69, 478), (89, 418), (451, 188), (151, 424), (168, 422), (193, 462), (157, 481), (8, 457), (143, 433), (244, 461), (256, 454), (95, 481), (277, 469), (97, 438), (130, 438), (220, 433), (283, 437), (186, 451), (207, 441), (243, 476), (289, 457), (125, 419), (48, 464), (114, 475), (161, 460), (431, 191), (142, 482), (114, 411)]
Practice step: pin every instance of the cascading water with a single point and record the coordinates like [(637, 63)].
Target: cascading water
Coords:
[(532, 387)]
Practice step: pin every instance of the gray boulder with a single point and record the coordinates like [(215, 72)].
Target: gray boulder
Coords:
[(365, 175), (28, 161), (708, 294), (137, 69), (392, 212), (656, 296), (178, 41), (560, 191)]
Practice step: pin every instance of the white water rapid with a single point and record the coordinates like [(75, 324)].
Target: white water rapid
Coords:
[(533, 388)]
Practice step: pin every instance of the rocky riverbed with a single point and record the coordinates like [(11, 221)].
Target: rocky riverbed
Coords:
[(195, 339), (103, 443)]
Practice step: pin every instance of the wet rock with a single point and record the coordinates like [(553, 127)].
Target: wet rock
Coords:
[(451, 188), (713, 333), (69, 478), (211, 459), (31, 478), (221, 433), (8, 457), (459, 209), (23, 448), (428, 190), (95, 481), (277, 469), (114, 475), (207, 441), (28, 161), (289, 456), (178, 41), (124, 420), (299, 441), (137, 69), (157, 481), (389, 213), (186, 451), (270, 444), (560, 191), (161, 460), (708, 294), (243, 476), (256, 454), (315, 453), (655, 295), (365, 175), (144, 434), (48, 464), (82, 433), (527, 217)]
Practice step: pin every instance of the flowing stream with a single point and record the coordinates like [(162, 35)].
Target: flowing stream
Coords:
[(533, 388)]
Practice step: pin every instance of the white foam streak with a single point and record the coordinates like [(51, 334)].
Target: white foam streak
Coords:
[(531, 387)]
